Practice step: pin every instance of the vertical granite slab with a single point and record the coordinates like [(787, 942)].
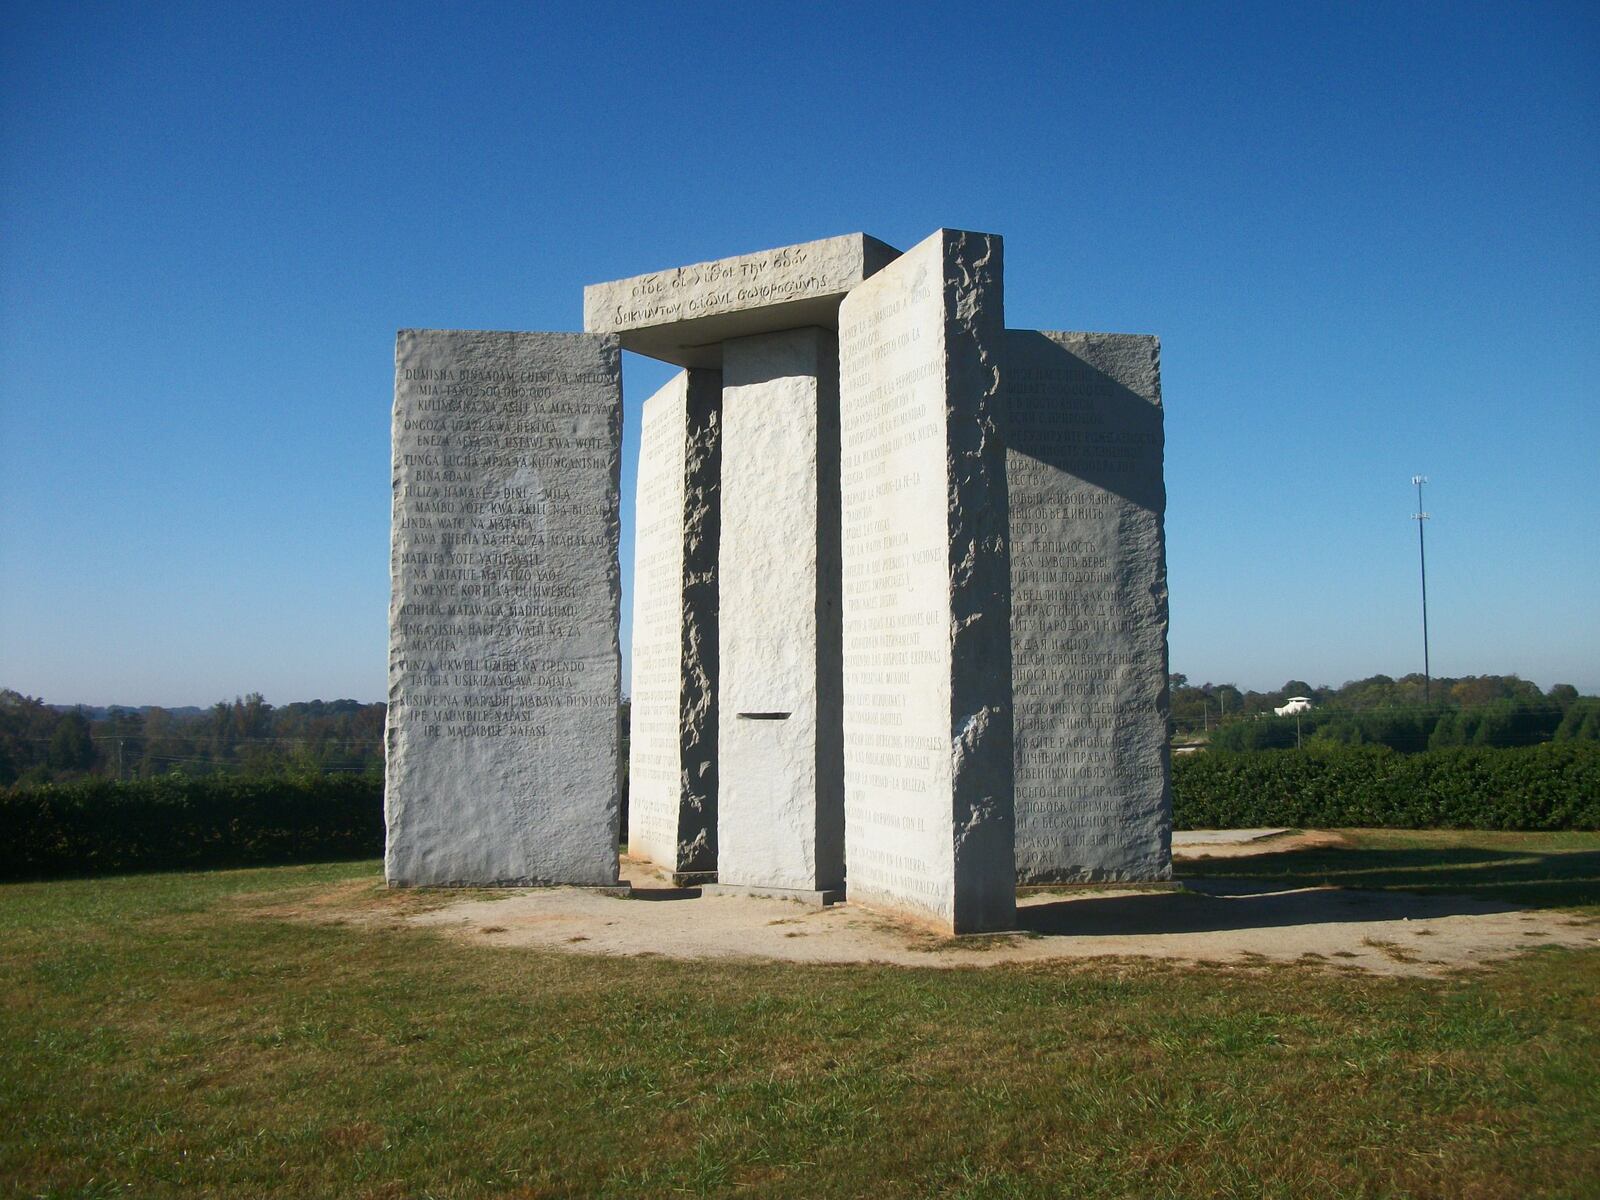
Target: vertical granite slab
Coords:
[(1088, 606), (780, 807), (672, 748), (502, 741), (926, 597)]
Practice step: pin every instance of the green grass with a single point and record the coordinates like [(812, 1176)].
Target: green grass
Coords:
[(163, 1036)]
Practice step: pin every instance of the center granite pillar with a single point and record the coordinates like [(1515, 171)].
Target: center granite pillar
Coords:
[(781, 769), (774, 312)]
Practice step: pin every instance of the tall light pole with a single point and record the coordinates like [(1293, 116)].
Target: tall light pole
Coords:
[(1422, 557)]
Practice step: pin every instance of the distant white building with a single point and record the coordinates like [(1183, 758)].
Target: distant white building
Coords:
[(1293, 705)]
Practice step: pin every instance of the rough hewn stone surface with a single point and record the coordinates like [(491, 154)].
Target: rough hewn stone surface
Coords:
[(1088, 605), (502, 741), (683, 315), (927, 675), (672, 757), (781, 777)]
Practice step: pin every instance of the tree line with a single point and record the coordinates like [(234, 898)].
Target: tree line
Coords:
[(43, 743), (1407, 714), (40, 743)]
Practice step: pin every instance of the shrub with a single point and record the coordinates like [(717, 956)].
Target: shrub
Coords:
[(1546, 787), (176, 823), (1399, 729), (1501, 723), (172, 822), (1267, 733), (1581, 722)]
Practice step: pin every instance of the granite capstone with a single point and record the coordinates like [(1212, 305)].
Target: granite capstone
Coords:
[(683, 315)]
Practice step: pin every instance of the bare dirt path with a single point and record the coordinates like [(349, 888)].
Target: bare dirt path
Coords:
[(1197, 844), (1216, 921)]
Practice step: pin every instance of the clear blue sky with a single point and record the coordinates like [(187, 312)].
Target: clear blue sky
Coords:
[(1367, 234)]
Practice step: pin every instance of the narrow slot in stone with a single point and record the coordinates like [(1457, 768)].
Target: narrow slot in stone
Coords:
[(764, 716)]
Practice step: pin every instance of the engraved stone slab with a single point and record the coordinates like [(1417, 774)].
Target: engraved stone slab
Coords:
[(502, 740), (781, 778), (684, 314), (1088, 606), (927, 663), (672, 749)]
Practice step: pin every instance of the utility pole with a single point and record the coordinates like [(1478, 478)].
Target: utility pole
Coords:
[(1422, 557)]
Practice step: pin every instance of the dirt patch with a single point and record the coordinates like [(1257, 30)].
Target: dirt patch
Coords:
[(1238, 922), (1289, 839), (357, 902), (1227, 921)]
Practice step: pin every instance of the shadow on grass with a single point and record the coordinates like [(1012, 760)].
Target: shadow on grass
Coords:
[(1528, 879), (1354, 883), (192, 865), (1221, 906)]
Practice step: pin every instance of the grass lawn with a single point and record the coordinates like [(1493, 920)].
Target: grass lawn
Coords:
[(162, 1037)]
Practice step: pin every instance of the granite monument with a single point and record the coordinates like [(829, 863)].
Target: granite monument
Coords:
[(899, 610)]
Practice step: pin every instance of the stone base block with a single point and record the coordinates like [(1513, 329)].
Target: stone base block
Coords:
[(686, 879), (622, 890)]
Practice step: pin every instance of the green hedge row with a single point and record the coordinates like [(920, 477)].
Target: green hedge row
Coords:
[(171, 822), (1553, 786)]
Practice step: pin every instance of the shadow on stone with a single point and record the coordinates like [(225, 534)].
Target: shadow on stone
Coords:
[(1133, 419)]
